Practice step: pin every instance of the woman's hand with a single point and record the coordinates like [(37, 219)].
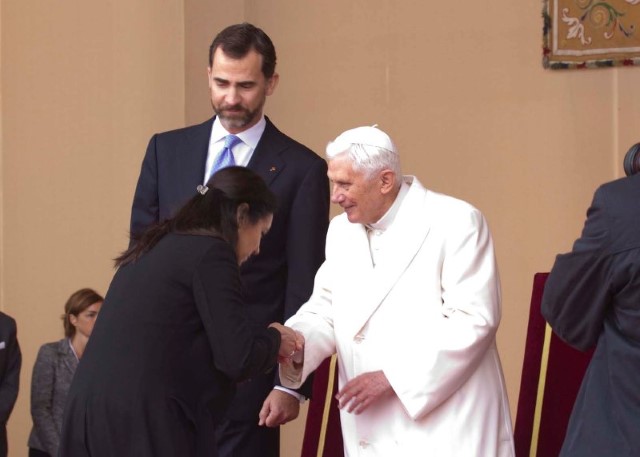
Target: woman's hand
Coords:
[(290, 342)]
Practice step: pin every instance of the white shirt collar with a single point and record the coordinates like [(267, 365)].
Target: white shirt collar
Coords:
[(242, 152), (250, 137), (385, 221), (72, 349)]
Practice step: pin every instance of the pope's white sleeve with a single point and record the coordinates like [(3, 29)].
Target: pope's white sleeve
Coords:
[(314, 320)]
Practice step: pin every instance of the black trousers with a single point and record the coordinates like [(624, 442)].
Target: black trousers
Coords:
[(247, 439), (37, 453)]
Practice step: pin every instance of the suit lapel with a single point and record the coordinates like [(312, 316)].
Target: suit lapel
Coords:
[(69, 358), (266, 159), (196, 149), (403, 240)]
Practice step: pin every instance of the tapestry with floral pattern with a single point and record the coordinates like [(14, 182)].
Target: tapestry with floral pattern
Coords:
[(591, 33)]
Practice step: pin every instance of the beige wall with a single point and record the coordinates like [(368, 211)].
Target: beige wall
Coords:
[(459, 86), (84, 85)]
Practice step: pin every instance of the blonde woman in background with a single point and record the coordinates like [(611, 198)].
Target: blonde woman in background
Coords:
[(54, 369)]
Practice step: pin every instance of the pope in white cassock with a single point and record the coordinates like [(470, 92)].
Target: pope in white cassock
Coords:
[(409, 299)]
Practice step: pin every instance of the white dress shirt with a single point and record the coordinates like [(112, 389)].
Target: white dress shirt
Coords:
[(242, 152)]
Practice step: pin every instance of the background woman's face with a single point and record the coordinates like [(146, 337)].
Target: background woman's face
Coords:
[(85, 320), (249, 236)]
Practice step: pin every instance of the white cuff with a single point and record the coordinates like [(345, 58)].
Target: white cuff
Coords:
[(301, 398)]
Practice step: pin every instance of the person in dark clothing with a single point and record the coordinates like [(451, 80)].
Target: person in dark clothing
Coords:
[(173, 337), (10, 364), (592, 299), (242, 75)]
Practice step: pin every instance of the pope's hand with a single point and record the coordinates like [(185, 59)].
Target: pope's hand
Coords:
[(364, 390)]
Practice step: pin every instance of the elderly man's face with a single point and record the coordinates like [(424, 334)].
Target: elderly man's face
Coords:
[(359, 195)]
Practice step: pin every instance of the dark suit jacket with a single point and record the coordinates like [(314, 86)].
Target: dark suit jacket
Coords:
[(280, 278), (592, 297), (10, 363), (171, 341), (52, 375)]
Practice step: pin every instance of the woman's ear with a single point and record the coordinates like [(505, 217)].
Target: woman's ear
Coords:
[(73, 320), (242, 214)]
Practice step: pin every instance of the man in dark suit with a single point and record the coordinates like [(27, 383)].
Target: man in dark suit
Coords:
[(592, 298), (241, 75), (10, 363)]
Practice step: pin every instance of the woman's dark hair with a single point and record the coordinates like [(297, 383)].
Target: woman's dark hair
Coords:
[(78, 302), (212, 212)]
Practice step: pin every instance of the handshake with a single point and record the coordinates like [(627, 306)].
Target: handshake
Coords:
[(291, 342)]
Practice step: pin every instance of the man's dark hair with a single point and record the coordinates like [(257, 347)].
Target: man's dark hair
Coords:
[(212, 212), (237, 40)]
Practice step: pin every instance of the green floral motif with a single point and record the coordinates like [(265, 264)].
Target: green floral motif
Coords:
[(599, 14), (604, 29)]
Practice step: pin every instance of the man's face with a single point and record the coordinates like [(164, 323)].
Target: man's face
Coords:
[(238, 89), (358, 195)]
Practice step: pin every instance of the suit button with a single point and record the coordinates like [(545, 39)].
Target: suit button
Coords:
[(358, 338), (364, 444)]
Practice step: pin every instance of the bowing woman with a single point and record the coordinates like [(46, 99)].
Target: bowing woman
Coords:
[(173, 337)]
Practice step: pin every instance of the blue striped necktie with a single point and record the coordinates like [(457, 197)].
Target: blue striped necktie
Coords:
[(225, 157)]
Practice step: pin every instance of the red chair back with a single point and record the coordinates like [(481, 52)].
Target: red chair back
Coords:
[(552, 372)]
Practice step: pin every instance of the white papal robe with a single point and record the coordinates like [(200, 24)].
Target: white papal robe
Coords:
[(426, 315)]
